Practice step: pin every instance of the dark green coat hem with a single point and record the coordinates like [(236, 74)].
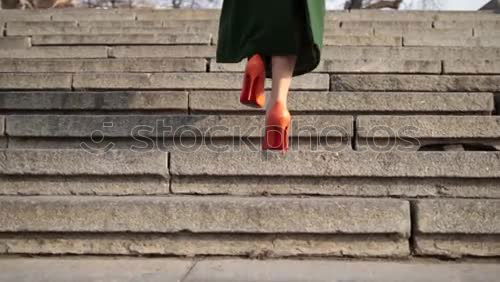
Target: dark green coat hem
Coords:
[(272, 28)]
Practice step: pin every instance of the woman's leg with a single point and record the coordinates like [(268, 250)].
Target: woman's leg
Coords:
[(283, 67)]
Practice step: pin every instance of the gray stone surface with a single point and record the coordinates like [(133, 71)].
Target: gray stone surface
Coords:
[(349, 102), (410, 53), (185, 244), (2, 125), (428, 126), (284, 270), (441, 83), (93, 269), (404, 30), (103, 65), (36, 81), (450, 40), (457, 216), (89, 185), (338, 186), (57, 52), (83, 162), (466, 66), (379, 66), (9, 15), (123, 39), (174, 81), (239, 270), (172, 15), (456, 246), (93, 15), (342, 163), (15, 42), (205, 215), (354, 66), (124, 100), (102, 23), (169, 126), (354, 40), (464, 24), (63, 31), (189, 51)]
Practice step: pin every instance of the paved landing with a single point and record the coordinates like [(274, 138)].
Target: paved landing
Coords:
[(92, 269)]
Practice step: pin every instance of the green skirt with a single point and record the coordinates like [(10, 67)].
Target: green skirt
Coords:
[(272, 28)]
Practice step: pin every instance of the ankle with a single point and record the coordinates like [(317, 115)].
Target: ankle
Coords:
[(277, 103)]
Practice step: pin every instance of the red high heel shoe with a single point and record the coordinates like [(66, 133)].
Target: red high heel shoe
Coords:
[(277, 128), (252, 93)]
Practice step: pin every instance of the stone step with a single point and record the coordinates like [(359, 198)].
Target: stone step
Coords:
[(206, 215), (223, 102), (175, 81), (438, 39), (143, 81), (411, 53), (329, 52), (240, 270), (465, 24), (83, 162), (79, 52), (170, 126), (342, 163), (413, 132), (437, 83), (178, 64), (103, 65), (466, 66), (455, 228), (17, 42), (226, 81), (384, 65), (123, 39), (16, 29), (354, 102), (35, 81)]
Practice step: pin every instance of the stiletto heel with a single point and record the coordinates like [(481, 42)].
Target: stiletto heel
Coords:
[(252, 93), (277, 129)]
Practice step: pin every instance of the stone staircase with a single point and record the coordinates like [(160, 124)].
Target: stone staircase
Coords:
[(121, 135)]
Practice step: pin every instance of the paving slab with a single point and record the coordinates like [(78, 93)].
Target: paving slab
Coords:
[(93, 269)]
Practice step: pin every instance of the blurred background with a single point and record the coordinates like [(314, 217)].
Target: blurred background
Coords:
[(331, 4)]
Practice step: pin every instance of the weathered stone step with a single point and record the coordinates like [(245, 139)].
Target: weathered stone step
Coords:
[(329, 52), (103, 65), (384, 65), (412, 16), (15, 42), (205, 215), (123, 39), (83, 162), (184, 81), (458, 227), (35, 81), (416, 131), (343, 163), (79, 52), (438, 83), (438, 39), (477, 23), (411, 53), (217, 102), (92, 30), (143, 81), (466, 66), (170, 126), (354, 102)]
